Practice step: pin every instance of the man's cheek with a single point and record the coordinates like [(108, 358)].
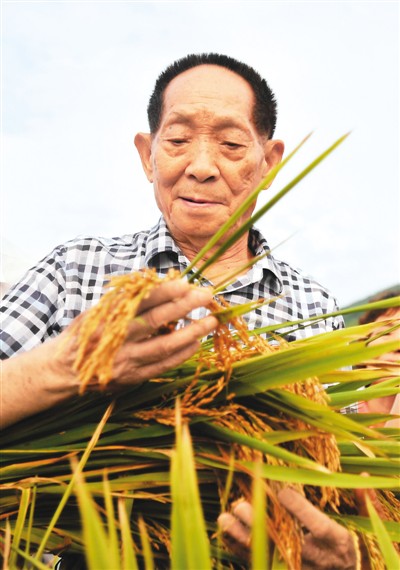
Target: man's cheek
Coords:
[(161, 176), (247, 178), (167, 173)]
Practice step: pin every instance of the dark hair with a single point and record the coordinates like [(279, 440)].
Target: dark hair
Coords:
[(374, 314), (264, 114)]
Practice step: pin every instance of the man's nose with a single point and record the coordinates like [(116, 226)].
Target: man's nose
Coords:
[(202, 163)]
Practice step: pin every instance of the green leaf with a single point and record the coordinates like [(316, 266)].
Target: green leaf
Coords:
[(385, 304), (94, 439), (259, 538), (346, 380), (190, 545), (30, 520), (387, 387), (317, 415), (307, 477), (128, 556), (277, 562), (99, 555), (372, 419), (22, 512), (388, 447), (231, 436), (374, 465), (113, 546), (33, 560), (340, 480), (364, 524), (388, 551), (297, 363), (147, 554)]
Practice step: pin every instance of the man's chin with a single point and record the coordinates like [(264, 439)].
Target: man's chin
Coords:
[(192, 234)]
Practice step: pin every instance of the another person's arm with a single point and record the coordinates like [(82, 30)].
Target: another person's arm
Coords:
[(388, 317), (384, 405)]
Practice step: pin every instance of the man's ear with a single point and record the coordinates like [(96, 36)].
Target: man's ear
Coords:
[(273, 152), (143, 145)]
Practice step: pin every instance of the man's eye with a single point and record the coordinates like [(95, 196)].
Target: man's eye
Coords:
[(177, 141), (231, 144)]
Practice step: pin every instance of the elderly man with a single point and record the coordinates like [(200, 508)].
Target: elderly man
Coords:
[(212, 120)]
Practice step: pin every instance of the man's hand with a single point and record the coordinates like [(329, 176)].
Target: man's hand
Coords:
[(236, 529), (44, 377), (145, 354), (327, 545)]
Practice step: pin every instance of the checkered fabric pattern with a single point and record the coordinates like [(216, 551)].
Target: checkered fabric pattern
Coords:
[(71, 279)]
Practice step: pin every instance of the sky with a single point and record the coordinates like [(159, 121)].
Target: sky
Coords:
[(76, 77)]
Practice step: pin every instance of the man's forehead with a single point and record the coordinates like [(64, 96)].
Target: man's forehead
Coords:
[(209, 89), (192, 115), (213, 79), (205, 69)]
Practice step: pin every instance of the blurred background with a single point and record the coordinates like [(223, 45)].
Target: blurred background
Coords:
[(76, 78)]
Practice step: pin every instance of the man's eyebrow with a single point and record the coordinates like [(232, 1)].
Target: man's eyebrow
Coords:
[(220, 123)]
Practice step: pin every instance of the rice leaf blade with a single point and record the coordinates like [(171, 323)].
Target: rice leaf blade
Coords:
[(388, 551), (98, 554), (192, 545), (94, 439), (19, 525), (128, 556), (259, 538), (147, 553)]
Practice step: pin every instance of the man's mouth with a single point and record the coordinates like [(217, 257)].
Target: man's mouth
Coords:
[(194, 201), (198, 201)]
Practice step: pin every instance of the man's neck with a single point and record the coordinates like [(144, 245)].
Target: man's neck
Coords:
[(230, 262)]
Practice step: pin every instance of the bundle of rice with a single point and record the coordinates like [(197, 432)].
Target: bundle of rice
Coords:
[(246, 401)]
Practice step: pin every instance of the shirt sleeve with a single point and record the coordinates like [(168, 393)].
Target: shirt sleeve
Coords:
[(31, 309)]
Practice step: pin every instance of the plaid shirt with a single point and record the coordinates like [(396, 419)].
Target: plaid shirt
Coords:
[(71, 279)]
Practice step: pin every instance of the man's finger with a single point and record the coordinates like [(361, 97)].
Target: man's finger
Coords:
[(169, 291), (235, 535), (317, 555), (319, 524), (138, 361), (169, 310), (161, 347), (165, 291), (243, 511), (155, 369), (361, 501)]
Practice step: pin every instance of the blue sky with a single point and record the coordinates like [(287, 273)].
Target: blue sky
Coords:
[(76, 77)]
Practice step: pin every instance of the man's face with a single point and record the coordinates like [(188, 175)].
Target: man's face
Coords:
[(207, 155)]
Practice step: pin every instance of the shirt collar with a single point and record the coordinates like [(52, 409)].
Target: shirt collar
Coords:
[(259, 245), (160, 242)]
